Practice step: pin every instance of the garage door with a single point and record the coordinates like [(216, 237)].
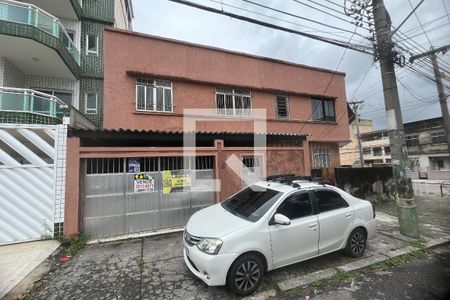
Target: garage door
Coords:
[(31, 201), (131, 195)]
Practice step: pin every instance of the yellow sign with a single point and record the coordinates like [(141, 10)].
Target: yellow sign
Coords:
[(177, 180)]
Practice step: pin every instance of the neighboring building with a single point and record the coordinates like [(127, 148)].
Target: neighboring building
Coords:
[(349, 153), (149, 84), (51, 77), (426, 142)]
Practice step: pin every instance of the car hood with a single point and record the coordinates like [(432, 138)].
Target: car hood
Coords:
[(214, 221)]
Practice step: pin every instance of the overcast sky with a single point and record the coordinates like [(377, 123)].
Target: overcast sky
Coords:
[(167, 19)]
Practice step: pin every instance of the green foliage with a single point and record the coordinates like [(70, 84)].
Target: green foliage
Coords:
[(342, 276), (73, 244), (296, 291)]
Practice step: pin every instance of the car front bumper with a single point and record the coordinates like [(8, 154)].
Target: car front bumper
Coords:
[(212, 269)]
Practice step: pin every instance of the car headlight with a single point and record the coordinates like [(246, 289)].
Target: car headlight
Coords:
[(210, 245)]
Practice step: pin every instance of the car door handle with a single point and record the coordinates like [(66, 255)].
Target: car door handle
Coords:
[(312, 225), (349, 214)]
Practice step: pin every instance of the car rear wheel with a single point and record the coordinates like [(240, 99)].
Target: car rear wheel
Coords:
[(245, 274), (356, 243)]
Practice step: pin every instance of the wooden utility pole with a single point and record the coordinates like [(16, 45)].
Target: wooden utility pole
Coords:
[(358, 134), (440, 87), (402, 186)]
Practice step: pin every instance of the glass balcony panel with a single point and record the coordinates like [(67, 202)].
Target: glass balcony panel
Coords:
[(31, 15), (30, 101)]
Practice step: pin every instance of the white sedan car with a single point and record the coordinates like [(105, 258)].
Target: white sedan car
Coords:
[(272, 224)]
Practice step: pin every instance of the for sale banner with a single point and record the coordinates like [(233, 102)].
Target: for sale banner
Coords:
[(176, 181), (143, 183)]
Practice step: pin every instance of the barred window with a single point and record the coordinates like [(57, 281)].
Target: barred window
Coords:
[(377, 151), (153, 95), (322, 158), (282, 107), (233, 102), (438, 137), (412, 140)]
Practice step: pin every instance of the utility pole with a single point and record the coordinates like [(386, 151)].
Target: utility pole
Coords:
[(355, 105), (440, 87), (402, 187)]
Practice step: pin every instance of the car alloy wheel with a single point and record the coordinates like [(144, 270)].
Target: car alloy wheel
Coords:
[(358, 243), (247, 276)]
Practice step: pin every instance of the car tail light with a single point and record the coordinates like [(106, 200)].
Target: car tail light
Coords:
[(373, 209)]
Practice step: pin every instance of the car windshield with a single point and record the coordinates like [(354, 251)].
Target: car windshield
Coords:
[(251, 203)]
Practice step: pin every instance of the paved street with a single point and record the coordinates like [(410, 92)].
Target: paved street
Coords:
[(153, 268), (426, 278)]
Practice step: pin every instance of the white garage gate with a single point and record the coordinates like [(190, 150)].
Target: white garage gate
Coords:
[(32, 180)]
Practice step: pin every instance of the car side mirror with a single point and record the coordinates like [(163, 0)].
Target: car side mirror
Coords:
[(281, 219)]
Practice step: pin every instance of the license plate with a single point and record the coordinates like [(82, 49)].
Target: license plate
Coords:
[(186, 249)]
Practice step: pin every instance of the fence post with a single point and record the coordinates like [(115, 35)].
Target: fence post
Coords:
[(420, 189), (442, 191)]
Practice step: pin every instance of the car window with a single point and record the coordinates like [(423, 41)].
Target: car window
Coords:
[(252, 203), (296, 206), (329, 200)]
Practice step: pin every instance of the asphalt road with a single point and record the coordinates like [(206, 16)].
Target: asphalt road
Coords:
[(425, 278)]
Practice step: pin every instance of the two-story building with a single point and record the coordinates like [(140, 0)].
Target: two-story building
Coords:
[(51, 66), (269, 116), (426, 143)]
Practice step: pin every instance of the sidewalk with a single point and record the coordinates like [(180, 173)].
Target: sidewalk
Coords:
[(17, 261)]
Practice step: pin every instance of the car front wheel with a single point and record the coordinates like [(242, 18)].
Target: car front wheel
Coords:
[(356, 243), (245, 275)]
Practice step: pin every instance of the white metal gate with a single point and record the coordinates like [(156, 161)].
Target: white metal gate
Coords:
[(32, 180)]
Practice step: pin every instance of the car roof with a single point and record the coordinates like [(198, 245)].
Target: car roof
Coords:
[(286, 188)]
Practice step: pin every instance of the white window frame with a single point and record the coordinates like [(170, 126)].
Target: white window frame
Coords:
[(91, 110), (154, 83), (90, 52), (233, 93), (322, 157), (287, 107)]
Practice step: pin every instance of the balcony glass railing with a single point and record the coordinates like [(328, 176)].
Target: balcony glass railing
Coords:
[(31, 101), (29, 14)]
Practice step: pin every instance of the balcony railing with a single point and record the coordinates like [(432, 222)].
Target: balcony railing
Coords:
[(32, 15), (31, 101)]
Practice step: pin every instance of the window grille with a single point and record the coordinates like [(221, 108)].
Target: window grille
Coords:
[(233, 102), (412, 140), (438, 137), (282, 107), (154, 95)]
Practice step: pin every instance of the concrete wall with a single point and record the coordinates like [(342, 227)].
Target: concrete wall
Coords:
[(349, 153), (196, 71)]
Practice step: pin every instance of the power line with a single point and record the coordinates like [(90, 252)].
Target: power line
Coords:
[(359, 48), (298, 17), (361, 81)]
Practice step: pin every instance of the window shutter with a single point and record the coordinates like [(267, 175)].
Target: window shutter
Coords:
[(282, 107)]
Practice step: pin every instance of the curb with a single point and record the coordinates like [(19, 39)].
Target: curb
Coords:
[(359, 264)]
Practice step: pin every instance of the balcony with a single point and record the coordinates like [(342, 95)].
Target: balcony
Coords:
[(67, 9), (26, 34), (30, 107)]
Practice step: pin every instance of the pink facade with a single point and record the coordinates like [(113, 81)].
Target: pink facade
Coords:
[(195, 74), (195, 71)]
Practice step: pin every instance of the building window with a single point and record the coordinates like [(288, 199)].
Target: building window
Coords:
[(412, 140), (367, 151), (71, 35), (233, 102), (387, 150), (438, 137), (322, 158), (90, 104), (153, 95), (377, 151), (66, 97), (91, 44), (323, 110), (282, 107)]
